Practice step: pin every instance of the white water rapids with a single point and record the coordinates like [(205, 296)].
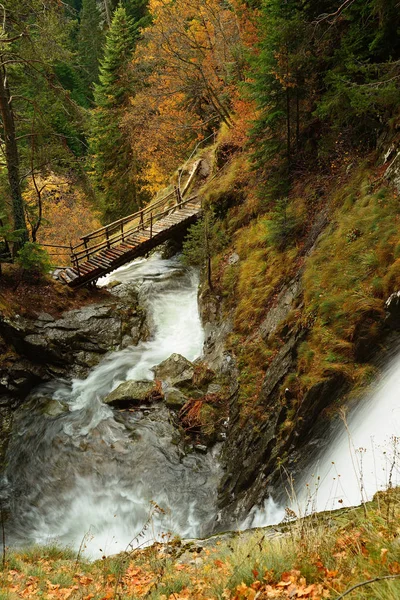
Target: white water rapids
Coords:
[(92, 474), (88, 475)]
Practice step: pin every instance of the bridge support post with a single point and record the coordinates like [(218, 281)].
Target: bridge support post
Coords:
[(178, 195)]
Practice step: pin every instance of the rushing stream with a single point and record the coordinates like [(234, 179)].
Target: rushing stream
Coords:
[(82, 471), (82, 474)]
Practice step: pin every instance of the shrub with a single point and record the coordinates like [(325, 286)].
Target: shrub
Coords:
[(33, 260)]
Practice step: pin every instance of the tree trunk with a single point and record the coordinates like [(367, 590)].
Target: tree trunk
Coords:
[(12, 158), (288, 128)]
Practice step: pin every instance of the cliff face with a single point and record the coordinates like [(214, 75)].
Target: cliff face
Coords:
[(42, 347), (312, 317)]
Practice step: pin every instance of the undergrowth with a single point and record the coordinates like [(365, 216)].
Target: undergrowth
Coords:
[(346, 277), (321, 556)]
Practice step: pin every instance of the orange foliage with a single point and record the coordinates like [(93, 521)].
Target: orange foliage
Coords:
[(188, 68)]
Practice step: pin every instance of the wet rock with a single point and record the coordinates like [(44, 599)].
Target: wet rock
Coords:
[(174, 398), (54, 408), (280, 311), (214, 388), (176, 370), (130, 392), (78, 340), (6, 419), (392, 307), (200, 448)]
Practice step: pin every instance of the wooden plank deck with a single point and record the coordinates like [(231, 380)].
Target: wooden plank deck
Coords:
[(89, 264)]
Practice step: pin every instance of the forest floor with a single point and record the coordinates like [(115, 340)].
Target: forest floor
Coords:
[(30, 296), (352, 552)]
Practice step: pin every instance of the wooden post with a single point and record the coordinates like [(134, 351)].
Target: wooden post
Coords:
[(141, 219), (122, 231), (178, 195), (74, 260), (107, 238), (86, 248), (151, 225)]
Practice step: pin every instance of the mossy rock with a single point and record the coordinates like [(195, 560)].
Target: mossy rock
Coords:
[(131, 392)]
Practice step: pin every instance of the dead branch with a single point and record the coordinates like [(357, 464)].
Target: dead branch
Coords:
[(362, 583), (335, 15)]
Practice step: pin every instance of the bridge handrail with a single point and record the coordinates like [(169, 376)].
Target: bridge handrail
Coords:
[(107, 229), (123, 220), (86, 252)]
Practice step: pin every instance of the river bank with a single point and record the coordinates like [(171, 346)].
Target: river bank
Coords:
[(319, 557)]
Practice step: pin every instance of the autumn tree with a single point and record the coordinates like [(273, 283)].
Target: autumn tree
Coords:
[(187, 68)]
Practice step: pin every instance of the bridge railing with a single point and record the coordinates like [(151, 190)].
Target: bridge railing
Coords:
[(144, 219), (118, 231)]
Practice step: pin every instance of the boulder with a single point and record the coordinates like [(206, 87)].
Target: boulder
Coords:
[(174, 398), (392, 307), (77, 340), (130, 392), (176, 370)]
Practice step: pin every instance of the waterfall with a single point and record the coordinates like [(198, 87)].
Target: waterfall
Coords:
[(93, 477), (361, 457)]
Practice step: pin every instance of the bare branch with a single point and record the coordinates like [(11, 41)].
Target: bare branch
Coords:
[(335, 15), (369, 581)]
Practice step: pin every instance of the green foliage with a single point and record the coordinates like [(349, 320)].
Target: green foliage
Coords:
[(90, 43), (321, 69), (116, 170), (284, 225), (33, 259), (278, 86)]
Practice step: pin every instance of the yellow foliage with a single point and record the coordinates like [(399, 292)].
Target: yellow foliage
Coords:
[(67, 213)]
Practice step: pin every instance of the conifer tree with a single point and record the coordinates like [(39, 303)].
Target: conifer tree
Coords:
[(113, 160), (277, 88), (90, 43)]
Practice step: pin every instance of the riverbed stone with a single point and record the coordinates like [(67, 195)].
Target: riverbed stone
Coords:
[(176, 370), (130, 392), (174, 398)]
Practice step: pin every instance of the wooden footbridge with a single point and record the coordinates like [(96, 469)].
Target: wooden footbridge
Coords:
[(116, 244)]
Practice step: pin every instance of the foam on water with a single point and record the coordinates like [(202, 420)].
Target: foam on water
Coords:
[(94, 474)]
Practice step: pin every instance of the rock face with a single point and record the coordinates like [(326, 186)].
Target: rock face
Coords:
[(256, 447), (34, 351), (176, 371), (392, 307), (131, 392), (72, 344), (174, 398)]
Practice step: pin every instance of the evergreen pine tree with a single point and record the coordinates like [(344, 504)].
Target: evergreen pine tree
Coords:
[(114, 164), (90, 43), (138, 12), (277, 89)]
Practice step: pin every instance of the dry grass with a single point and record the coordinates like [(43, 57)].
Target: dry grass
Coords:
[(318, 557), (349, 276)]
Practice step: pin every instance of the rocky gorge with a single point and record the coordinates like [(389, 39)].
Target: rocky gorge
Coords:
[(186, 408)]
